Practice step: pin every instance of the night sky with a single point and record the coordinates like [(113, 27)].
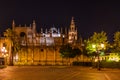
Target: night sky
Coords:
[(89, 16)]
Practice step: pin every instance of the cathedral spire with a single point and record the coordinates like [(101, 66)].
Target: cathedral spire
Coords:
[(34, 26), (72, 25), (72, 34)]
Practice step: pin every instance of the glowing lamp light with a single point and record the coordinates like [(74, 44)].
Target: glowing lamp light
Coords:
[(4, 56), (102, 45), (3, 49), (4, 52), (114, 59), (94, 46), (96, 60)]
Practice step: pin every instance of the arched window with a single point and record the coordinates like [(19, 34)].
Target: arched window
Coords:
[(22, 34)]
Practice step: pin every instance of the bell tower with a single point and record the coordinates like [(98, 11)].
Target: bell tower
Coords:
[(34, 26), (72, 34)]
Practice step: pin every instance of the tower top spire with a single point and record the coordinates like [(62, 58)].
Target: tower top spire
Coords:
[(72, 25), (34, 26)]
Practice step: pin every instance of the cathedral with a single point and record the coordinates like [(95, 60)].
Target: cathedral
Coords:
[(43, 48), (48, 37)]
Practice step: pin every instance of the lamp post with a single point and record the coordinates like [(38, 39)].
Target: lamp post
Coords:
[(98, 48)]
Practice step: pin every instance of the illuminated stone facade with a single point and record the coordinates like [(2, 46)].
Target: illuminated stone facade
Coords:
[(2, 41), (72, 34), (43, 48)]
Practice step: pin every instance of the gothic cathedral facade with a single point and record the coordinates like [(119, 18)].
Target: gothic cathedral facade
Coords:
[(43, 48)]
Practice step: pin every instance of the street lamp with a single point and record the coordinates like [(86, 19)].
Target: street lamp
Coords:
[(98, 48)]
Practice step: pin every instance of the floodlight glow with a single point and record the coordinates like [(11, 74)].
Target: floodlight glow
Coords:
[(102, 45), (94, 46)]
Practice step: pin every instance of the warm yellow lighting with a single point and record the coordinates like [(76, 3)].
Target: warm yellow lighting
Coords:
[(63, 36), (98, 47), (5, 50), (96, 60), (94, 46), (6, 54), (2, 53), (102, 45), (114, 59), (2, 49)]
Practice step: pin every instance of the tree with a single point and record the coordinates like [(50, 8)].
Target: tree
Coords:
[(116, 44), (76, 52), (65, 51), (95, 46), (13, 42), (95, 39)]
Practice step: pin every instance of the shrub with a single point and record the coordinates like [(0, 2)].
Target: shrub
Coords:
[(76, 63), (111, 64)]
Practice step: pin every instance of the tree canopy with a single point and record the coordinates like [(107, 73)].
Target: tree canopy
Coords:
[(13, 42), (13, 39), (66, 51), (96, 40), (116, 44)]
